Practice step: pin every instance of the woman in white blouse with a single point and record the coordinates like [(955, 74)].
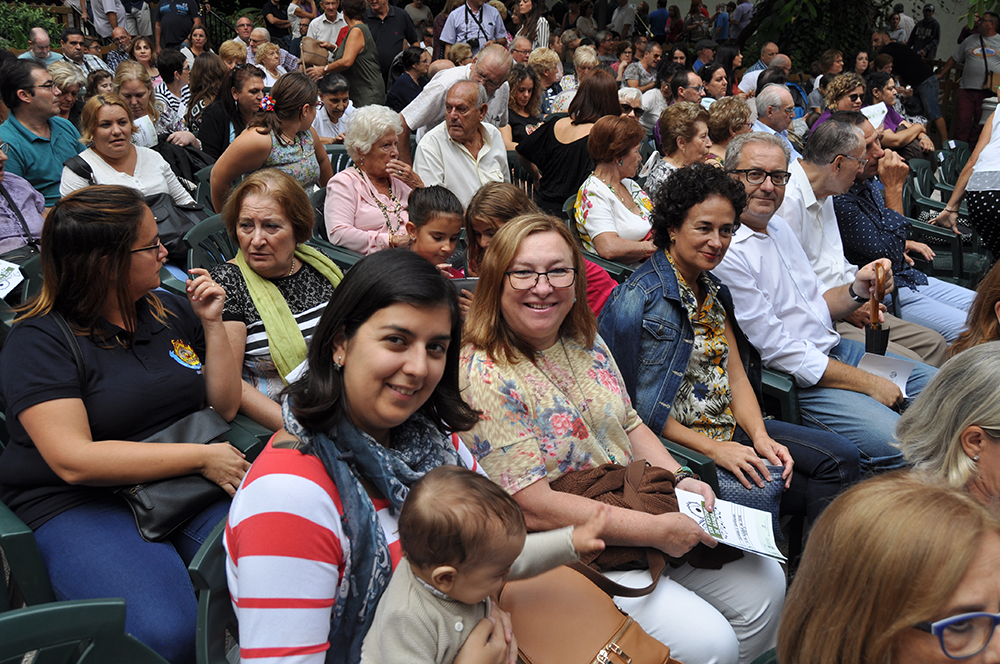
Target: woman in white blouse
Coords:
[(534, 25), (612, 211), (106, 126)]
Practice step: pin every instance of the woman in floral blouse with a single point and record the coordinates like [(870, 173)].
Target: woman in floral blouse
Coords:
[(552, 402)]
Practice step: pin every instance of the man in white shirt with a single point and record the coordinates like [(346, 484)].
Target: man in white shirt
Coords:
[(780, 61), (490, 67), (829, 168), (476, 23), (463, 153), (623, 19), (775, 112), (787, 313), (244, 26), (326, 28)]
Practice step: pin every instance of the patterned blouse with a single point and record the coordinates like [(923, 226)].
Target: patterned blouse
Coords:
[(703, 402), (298, 159), (568, 412)]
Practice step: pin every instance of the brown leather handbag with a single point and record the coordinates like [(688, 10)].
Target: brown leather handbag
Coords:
[(560, 617)]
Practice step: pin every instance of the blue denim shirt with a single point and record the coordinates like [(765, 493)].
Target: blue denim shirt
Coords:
[(648, 331)]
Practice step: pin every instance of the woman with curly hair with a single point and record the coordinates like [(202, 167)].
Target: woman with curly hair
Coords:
[(699, 386), (523, 106), (844, 93)]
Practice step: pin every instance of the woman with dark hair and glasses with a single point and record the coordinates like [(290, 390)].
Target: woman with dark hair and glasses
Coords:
[(233, 109), (312, 538), (928, 557), (147, 359), (700, 386)]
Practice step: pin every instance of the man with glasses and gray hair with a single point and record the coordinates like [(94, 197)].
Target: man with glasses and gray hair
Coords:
[(490, 68), (38, 142), (520, 50), (775, 112), (787, 313), (979, 67)]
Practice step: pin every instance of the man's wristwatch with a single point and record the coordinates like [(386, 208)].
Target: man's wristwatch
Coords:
[(854, 296)]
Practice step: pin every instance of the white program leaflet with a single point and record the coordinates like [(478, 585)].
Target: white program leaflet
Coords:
[(10, 277), (895, 369), (742, 527)]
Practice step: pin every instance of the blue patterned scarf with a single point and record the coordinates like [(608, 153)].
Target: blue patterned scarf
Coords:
[(347, 454)]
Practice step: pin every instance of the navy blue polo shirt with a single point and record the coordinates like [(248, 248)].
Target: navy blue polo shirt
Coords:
[(40, 160), (389, 34), (130, 394)]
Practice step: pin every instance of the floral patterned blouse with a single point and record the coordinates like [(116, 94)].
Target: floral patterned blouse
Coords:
[(298, 159), (568, 412), (703, 402)]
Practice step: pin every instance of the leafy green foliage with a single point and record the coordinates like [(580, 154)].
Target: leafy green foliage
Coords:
[(17, 19)]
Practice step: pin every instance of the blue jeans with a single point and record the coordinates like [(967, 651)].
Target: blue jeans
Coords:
[(928, 92), (825, 465), (939, 305), (858, 417), (95, 550)]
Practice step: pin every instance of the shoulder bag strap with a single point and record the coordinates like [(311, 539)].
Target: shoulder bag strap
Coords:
[(986, 63), (32, 242), (74, 345), (478, 21), (79, 166)]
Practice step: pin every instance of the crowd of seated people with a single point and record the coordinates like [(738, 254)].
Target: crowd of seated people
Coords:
[(552, 249)]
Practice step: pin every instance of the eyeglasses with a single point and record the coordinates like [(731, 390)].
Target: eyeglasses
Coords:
[(758, 175), (963, 635), (485, 81), (152, 246), (635, 110), (789, 111), (700, 88), (47, 86), (561, 277), (855, 97), (121, 40), (862, 162), (522, 51)]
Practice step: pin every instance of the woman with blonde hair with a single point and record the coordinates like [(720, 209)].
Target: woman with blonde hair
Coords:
[(460, 54), (897, 570), (952, 433), (727, 118), (233, 53), (154, 122), (69, 80), (553, 403), (280, 136), (269, 59)]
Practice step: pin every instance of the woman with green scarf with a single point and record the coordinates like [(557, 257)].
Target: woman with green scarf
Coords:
[(276, 287)]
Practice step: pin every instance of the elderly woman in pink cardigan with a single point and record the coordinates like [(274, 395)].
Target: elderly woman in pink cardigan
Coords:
[(365, 206)]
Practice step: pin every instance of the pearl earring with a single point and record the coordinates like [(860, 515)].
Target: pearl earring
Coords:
[(975, 458), (337, 363)]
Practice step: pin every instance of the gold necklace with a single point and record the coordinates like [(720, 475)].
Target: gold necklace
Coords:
[(292, 268), (381, 206)]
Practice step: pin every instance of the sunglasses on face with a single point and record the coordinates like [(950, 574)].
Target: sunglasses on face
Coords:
[(855, 97), (635, 110)]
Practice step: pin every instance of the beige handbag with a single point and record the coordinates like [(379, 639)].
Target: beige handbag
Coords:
[(313, 55), (561, 617)]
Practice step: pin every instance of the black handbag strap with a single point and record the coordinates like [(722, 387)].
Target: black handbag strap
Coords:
[(31, 241), (74, 345), (986, 62), (81, 168)]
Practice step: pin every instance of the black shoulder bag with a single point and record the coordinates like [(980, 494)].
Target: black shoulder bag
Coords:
[(30, 249)]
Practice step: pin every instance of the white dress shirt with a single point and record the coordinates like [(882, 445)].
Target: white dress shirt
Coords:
[(427, 110), (620, 18), (653, 103), (323, 29), (325, 127), (779, 301), (441, 160), (814, 223)]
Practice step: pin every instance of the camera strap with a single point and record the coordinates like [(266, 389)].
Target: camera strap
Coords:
[(478, 20)]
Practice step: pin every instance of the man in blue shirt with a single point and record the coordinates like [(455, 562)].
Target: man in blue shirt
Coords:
[(40, 48), (658, 22), (38, 142)]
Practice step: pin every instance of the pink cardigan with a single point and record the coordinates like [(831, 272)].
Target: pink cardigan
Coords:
[(353, 220)]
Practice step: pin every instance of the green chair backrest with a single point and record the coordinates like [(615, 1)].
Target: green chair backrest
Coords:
[(339, 158), (31, 270), (216, 618), (203, 194), (28, 575), (209, 244), (318, 202), (88, 631)]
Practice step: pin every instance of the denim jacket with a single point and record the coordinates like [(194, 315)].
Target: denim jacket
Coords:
[(647, 329)]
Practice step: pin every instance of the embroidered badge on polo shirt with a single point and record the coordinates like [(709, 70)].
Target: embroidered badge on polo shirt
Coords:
[(184, 355)]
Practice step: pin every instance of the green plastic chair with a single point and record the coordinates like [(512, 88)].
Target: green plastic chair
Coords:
[(702, 465), (88, 631), (770, 657), (339, 158), (31, 270), (209, 244), (29, 581), (618, 271), (780, 388), (217, 628), (203, 194)]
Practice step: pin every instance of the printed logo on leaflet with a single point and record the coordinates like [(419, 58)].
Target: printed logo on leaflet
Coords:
[(184, 355)]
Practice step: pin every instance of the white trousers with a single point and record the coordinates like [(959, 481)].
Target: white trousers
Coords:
[(725, 616)]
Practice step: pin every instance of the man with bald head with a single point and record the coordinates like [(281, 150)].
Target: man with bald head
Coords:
[(119, 53), (40, 48), (767, 52), (520, 50), (780, 61), (463, 153), (490, 68)]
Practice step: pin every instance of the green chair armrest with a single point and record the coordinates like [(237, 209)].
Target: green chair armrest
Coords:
[(215, 608), (172, 284), (703, 466), (26, 567), (782, 387), (248, 436)]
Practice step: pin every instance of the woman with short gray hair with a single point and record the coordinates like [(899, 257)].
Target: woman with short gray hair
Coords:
[(952, 431), (365, 208), (70, 82)]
